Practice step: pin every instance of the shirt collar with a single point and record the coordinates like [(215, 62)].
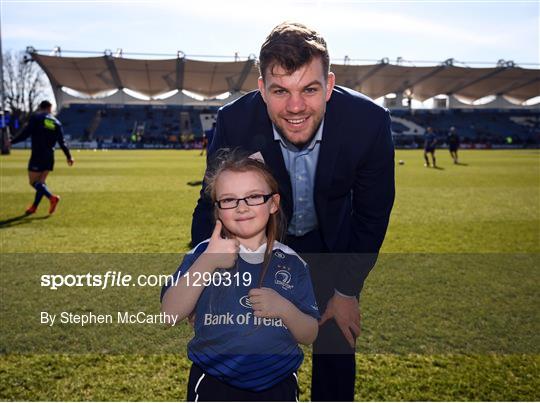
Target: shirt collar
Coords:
[(252, 256), (288, 145)]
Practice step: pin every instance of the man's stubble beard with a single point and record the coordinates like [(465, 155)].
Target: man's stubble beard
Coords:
[(297, 144)]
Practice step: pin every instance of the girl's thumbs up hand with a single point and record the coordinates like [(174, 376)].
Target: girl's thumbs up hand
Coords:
[(222, 252)]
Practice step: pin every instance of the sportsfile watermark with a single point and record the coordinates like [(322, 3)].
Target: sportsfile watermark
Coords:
[(114, 278), (105, 280), (410, 303)]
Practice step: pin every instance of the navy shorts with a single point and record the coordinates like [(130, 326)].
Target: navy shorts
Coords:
[(206, 388), (40, 164), (429, 149), (453, 148)]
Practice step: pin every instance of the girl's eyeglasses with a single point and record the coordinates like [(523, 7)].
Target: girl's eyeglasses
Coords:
[(252, 200)]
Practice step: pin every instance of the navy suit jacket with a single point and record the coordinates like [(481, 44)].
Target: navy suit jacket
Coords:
[(354, 182)]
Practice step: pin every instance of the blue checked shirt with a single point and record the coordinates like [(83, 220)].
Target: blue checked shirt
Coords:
[(301, 165)]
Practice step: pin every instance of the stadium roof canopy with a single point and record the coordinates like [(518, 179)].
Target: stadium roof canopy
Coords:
[(95, 75)]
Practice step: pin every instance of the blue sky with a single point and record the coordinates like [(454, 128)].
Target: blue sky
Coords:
[(415, 30)]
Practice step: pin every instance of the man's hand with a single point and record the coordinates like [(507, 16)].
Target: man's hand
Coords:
[(267, 303), (346, 313), (222, 252), (70, 162)]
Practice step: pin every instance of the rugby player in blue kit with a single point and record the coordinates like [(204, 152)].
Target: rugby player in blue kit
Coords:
[(430, 142), (252, 296), (45, 131)]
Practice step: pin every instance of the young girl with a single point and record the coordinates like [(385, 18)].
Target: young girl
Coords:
[(251, 295)]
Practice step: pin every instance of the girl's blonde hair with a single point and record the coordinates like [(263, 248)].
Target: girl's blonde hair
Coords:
[(235, 161)]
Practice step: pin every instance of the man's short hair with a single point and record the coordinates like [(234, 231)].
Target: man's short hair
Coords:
[(291, 45), (45, 105)]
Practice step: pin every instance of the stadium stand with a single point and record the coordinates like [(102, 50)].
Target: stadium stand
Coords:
[(160, 124), (155, 124), (488, 127)]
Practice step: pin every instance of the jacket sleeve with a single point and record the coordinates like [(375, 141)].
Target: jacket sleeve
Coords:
[(372, 201), (202, 223), (61, 141), (25, 132)]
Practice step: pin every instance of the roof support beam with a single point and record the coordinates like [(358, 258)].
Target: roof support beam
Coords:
[(424, 78), (109, 61), (410, 86), (379, 66), (518, 85), (237, 86), (180, 67), (477, 80)]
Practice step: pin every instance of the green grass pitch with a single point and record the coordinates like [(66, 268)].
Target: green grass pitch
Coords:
[(451, 311)]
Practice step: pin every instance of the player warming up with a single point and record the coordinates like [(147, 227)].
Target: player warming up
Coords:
[(453, 144), (251, 296), (45, 131), (430, 142)]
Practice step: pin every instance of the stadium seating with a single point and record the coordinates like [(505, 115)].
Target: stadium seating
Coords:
[(117, 123), (166, 124), (474, 126)]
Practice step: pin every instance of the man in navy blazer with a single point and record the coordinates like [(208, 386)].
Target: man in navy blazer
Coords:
[(334, 146)]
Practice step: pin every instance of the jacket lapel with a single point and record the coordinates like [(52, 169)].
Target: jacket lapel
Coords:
[(330, 146), (273, 157)]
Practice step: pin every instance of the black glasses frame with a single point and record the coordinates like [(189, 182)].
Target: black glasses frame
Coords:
[(245, 199)]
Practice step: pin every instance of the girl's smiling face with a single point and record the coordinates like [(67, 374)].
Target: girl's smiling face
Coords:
[(246, 223)]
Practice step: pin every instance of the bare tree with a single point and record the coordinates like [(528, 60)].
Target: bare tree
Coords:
[(25, 84)]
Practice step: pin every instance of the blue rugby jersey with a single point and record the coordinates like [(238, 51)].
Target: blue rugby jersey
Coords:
[(230, 343), (45, 131), (428, 140)]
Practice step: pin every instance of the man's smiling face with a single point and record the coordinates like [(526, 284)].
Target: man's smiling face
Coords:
[(296, 102)]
